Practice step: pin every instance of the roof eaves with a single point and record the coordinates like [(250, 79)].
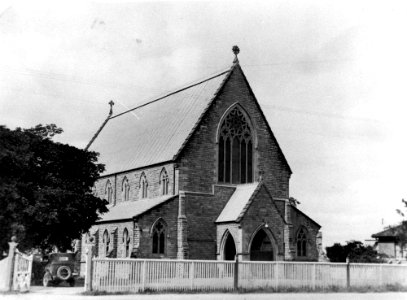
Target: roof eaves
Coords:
[(97, 133), (301, 212), (246, 207), (194, 128), (264, 117), (171, 93), (137, 215)]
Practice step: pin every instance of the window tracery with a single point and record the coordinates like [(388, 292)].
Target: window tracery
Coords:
[(159, 239), (235, 160), (302, 242)]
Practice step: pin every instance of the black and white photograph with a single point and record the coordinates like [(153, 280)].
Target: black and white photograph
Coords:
[(203, 149)]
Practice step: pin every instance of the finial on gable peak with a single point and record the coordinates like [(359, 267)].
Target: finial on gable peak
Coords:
[(236, 51), (111, 103)]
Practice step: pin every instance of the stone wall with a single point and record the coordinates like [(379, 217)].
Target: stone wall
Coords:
[(153, 178), (198, 160)]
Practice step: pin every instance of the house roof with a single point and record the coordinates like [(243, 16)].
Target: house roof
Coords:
[(156, 131), (130, 209), (237, 205), (389, 232)]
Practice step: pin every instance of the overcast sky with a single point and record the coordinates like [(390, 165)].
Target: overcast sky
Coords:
[(329, 75)]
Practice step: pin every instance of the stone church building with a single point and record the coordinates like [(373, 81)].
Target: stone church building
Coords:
[(198, 174)]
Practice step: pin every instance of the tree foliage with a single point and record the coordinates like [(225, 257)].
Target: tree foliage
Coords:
[(401, 230), (46, 195), (355, 250)]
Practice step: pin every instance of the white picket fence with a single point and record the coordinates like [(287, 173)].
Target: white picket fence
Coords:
[(135, 275), (118, 275)]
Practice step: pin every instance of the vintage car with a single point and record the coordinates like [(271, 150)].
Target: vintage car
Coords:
[(60, 267)]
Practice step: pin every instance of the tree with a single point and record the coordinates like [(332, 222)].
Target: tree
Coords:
[(401, 230), (355, 250), (46, 195)]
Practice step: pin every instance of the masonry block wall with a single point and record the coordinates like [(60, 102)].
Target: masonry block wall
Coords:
[(153, 178), (115, 231), (201, 211), (168, 212), (235, 230), (198, 162), (298, 220), (262, 210)]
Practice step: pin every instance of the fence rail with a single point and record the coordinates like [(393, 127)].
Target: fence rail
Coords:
[(135, 275)]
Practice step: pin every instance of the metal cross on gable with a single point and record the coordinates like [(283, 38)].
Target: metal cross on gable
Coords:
[(111, 103)]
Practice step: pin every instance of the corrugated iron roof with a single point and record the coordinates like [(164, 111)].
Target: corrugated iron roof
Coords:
[(238, 203), (389, 232), (130, 209), (156, 131)]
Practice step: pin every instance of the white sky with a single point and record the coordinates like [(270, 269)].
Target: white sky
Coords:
[(329, 75)]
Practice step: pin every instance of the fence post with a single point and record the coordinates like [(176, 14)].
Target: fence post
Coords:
[(191, 275), (236, 274), (347, 273), (143, 276), (89, 268), (277, 274), (314, 274), (10, 263)]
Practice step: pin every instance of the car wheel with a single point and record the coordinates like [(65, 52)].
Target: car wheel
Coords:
[(47, 279), (64, 272)]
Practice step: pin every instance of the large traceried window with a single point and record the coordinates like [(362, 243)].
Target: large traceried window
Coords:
[(235, 160), (125, 189), (164, 182), (159, 238), (302, 242), (143, 186), (109, 192)]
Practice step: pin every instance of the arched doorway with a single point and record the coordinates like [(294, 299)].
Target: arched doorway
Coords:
[(229, 250), (261, 248)]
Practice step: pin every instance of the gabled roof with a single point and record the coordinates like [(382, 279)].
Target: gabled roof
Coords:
[(237, 205), (155, 132), (130, 209), (389, 232), (305, 215), (240, 202)]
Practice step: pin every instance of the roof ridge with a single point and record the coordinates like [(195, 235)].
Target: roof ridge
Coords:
[(174, 92)]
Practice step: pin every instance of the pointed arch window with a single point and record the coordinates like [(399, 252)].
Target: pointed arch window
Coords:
[(159, 240), (126, 242), (235, 160), (109, 192), (143, 186), (106, 242), (125, 189), (302, 242), (164, 182)]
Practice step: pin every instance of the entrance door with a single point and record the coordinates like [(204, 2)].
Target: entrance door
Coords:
[(229, 252), (261, 249)]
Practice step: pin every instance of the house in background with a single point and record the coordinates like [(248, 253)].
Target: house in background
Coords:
[(388, 242), (198, 174)]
